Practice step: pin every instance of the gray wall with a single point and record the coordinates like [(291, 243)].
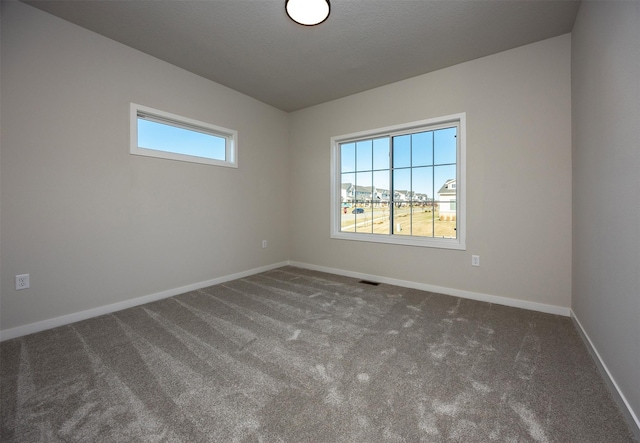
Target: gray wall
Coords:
[(606, 186), (518, 108), (94, 225)]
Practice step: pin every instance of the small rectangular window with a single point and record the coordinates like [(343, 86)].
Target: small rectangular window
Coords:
[(160, 134), (401, 184)]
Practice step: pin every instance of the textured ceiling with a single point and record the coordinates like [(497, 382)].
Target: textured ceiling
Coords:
[(253, 47)]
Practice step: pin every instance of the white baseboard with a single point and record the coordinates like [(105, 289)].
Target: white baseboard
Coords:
[(515, 303), (95, 312), (19, 331), (617, 394)]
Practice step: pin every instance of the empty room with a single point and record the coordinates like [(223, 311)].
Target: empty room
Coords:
[(398, 221)]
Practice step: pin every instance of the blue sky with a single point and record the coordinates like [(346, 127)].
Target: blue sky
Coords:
[(161, 137), (422, 161)]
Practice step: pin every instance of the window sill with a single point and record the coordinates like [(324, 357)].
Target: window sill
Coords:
[(404, 240)]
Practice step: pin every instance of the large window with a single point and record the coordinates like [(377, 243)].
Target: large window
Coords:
[(402, 184), (157, 133)]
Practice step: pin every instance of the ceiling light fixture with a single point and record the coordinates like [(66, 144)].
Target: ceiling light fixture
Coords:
[(308, 12)]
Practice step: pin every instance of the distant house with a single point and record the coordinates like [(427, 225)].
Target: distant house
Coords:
[(370, 195), (363, 195), (346, 194), (447, 196), (400, 198), (379, 197), (422, 199), (385, 197)]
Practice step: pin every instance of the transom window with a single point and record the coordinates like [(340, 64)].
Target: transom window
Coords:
[(160, 134), (402, 184)]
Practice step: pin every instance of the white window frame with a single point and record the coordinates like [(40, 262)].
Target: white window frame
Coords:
[(459, 242), (155, 115)]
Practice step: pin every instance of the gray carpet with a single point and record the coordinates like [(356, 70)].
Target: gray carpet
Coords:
[(293, 355)]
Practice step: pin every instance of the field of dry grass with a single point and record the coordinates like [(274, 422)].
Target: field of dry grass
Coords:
[(412, 221)]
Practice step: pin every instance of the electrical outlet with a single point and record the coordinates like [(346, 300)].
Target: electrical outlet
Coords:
[(22, 281), (475, 260), (264, 244)]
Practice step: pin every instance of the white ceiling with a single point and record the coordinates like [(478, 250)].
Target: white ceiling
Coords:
[(253, 47)]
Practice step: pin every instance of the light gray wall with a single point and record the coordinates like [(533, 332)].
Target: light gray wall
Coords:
[(606, 186), (94, 225), (518, 108)]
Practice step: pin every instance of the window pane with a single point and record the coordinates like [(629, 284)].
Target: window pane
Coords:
[(401, 184), (380, 210), (168, 138), (381, 153), (348, 221), (402, 219), (446, 216), (347, 191), (422, 149), (422, 184), (364, 182), (422, 220), (363, 218), (381, 185), (441, 175), (364, 155), (444, 141), (401, 201), (347, 196), (402, 151), (348, 157), (422, 210), (362, 210), (348, 178)]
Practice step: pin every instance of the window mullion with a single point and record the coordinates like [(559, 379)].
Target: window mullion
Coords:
[(411, 185), (373, 186), (433, 187), (392, 189)]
